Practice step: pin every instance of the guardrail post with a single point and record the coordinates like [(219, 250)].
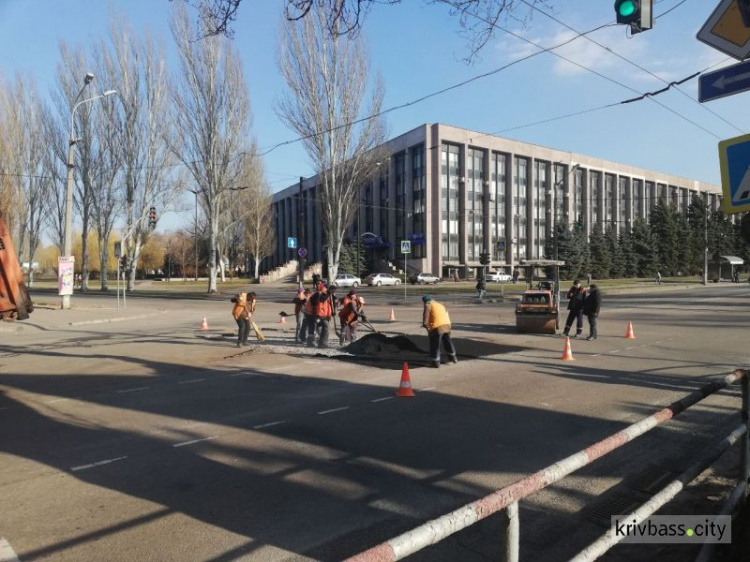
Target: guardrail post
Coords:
[(745, 468), (510, 526)]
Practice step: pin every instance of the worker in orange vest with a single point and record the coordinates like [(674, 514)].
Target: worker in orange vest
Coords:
[(299, 303), (352, 307), (244, 306), (323, 310), (435, 318)]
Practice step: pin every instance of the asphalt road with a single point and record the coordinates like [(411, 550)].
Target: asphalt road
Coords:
[(146, 438)]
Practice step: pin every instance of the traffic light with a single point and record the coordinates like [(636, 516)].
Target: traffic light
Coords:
[(638, 14), (484, 258), (744, 11), (123, 262), (579, 224), (152, 218)]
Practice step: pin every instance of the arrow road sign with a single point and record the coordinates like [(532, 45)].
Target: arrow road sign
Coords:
[(291, 242), (724, 82), (734, 158)]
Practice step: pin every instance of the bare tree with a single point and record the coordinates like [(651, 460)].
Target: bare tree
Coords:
[(328, 82), (55, 139), (212, 116), (25, 156), (136, 67), (258, 220), (478, 19)]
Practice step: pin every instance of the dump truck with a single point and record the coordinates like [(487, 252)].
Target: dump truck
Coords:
[(536, 312), (15, 303)]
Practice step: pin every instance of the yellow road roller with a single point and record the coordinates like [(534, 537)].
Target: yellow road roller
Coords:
[(536, 312)]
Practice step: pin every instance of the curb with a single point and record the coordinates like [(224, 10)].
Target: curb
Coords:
[(116, 319)]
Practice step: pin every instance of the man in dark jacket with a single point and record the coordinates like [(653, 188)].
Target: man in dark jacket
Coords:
[(591, 307), (576, 298)]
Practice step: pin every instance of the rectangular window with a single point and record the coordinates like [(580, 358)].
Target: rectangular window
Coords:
[(399, 177), (449, 201), (497, 205), (384, 204), (594, 195), (539, 207), (419, 225), (474, 199), (623, 203), (578, 195), (609, 199), (649, 200), (519, 207)]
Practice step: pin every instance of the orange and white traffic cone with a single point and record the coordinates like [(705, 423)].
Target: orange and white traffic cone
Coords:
[(404, 388), (204, 324), (630, 334), (393, 316), (567, 352)]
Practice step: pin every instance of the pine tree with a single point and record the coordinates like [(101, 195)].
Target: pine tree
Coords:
[(616, 264), (629, 257), (644, 249), (599, 256), (664, 229)]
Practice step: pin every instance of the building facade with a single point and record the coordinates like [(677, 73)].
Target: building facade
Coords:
[(456, 193)]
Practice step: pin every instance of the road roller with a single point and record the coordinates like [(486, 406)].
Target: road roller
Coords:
[(536, 312)]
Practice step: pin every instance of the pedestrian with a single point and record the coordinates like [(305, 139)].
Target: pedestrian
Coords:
[(323, 312), (308, 321), (299, 302), (435, 318), (515, 276), (481, 288), (588, 279), (241, 313), (736, 276), (591, 306), (352, 309), (658, 278), (576, 299), (316, 280)]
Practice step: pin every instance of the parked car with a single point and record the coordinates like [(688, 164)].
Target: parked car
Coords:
[(424, 278), (346, 280), (378, 279), (497, 277)]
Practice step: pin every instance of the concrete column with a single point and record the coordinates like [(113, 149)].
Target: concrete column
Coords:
[(530, 237), (585, 202)]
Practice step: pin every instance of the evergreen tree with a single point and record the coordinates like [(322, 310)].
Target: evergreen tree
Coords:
[(644, 249), (697, 221), (599, 256), (616, 264), (685, 254), (629, 257), (571, 248), (664, 229)]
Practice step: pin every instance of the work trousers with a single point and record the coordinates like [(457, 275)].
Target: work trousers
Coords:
[(244, 325), (592, 325), (308, 330), (435, 339), (324, 330), (298, 333), (574, 315)]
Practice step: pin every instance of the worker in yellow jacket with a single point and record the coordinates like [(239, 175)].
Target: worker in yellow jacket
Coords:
[(438, 325), (244, 307)]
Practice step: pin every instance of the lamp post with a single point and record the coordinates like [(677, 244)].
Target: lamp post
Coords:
[(68, 241), (195, 232)]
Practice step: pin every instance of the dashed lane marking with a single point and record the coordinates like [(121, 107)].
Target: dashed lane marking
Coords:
[(615, 350), (192, 381), (382, 399), (95, 464), (55, 400), (133, 389), (324, 412), (269, 424), (194, 441)]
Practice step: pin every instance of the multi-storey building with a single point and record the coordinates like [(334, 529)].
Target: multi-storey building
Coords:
[(456, 193)]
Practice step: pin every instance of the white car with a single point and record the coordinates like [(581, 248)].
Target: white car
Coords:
[(346, 280), (378, 279), (497, 277), (425, 278)]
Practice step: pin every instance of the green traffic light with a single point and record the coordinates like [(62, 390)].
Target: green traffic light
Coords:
[(627, 8)]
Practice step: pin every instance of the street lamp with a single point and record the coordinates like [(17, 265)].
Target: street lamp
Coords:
[(68, 242)]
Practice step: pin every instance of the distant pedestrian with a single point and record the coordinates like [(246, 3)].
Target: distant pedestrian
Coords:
[(316, 280), (435, 318), (591, 307), (481, 288), (736, 276), (658, 278), (455, 276), (515, 276), (588, 279), (299, 303), (576, 299)]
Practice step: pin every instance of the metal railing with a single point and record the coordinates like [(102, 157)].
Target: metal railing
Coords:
[(506, 499)]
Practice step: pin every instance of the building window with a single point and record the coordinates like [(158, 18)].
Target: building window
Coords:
[(519, 207), (561, 188), (649, 200), (578, 195), (449, 210), (539, 207), (609, 199), (399, 178), (418, 198), (594, 195), (637, 199), (384, 204), (497, 205), (623, 202), (474, 199)]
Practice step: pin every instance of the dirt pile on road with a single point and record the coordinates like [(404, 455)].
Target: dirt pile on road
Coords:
[(373, 344)]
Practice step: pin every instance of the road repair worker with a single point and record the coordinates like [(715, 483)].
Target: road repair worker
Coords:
[(242, 311), (352, 309), (308, 321), (576, 296), (438, 324), (323, 310), (591, 307), (299, 302)]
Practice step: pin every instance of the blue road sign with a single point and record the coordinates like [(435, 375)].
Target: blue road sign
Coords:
[(501, 245), (734, 158), (724, 82), (302, 252), (291, 242), (405, 246)]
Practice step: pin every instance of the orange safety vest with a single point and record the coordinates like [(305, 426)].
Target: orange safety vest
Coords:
[(307, 308), (240, 306), (323, 307)]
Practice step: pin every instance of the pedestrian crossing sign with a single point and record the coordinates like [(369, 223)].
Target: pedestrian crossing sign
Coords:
[(405, 246), (734, 158)]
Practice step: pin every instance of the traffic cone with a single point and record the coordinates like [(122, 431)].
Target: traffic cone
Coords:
[(393, 316), (630, 334), (282, 320), (404, 389), (204, 325), (567, 352)]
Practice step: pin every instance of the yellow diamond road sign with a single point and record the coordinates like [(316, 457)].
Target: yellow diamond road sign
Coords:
[(725, 31)]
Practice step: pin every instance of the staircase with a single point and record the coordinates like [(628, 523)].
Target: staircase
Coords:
[(280, 273)]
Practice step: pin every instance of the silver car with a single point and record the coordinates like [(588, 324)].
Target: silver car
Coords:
[(378, 279), (346, 280)]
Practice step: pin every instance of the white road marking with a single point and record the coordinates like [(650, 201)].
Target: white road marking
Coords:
[(615, 351), (53, 401), (596, 355), (192, 381), (194, 441), (324, 412), (269, 424), (428, 388), (381, 399), (7, 554), (92, 465), (133, 389), (545, 404)]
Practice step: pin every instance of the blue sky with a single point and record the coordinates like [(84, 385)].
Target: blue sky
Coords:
[(417, 49)]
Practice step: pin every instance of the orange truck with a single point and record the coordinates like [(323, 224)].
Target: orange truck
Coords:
[(15, 303)]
